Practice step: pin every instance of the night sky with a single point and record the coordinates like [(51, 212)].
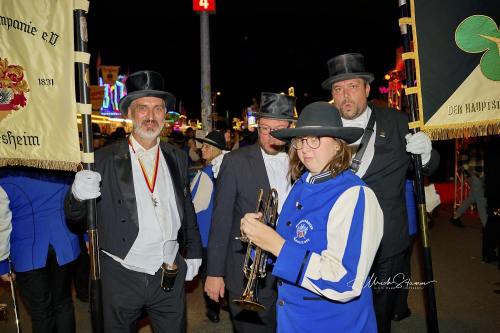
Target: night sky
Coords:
[(255, 45)]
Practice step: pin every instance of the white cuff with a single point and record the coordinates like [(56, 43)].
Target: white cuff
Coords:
[(193, 265)]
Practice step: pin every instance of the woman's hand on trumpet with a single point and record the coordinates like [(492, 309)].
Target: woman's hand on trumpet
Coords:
[(260, 234)]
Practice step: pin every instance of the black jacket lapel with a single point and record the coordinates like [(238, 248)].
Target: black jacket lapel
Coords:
[(382, 140), (176, 180), (259, 168), (123, 169)]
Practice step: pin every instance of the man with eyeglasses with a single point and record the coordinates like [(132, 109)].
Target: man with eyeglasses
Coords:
[(148, 235), (243, 172), (383, 166)]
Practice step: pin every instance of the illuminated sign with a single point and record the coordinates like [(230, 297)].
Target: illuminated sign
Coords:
[(112, 95), (251, 120), (204, 5)]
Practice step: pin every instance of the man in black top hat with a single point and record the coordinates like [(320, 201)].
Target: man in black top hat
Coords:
[(146, 220), (243, 172), (383, 166)]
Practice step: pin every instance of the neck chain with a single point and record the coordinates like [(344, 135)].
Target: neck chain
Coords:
[(151, 183)]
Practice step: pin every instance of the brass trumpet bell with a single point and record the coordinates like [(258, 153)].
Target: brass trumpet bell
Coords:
[(249, 304), (257, 269)]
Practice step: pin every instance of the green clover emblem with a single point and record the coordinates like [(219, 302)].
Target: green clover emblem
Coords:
[(479, 33)]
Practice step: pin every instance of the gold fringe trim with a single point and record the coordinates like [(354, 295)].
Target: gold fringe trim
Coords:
[(463, 130), (42, 164)]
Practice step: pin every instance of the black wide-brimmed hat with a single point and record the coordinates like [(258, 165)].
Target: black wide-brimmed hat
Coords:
[(276, 106), (214, 138), (320, 119), (345, 67), (145, 84)]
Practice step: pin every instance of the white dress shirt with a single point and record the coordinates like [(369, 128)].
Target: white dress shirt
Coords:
[(362, 122), (277, 173)]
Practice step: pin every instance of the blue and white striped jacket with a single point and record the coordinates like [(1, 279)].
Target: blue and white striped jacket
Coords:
[(332, 229)]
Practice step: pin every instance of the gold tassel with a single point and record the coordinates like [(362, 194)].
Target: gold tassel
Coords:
[(42, 164), (464, 131)]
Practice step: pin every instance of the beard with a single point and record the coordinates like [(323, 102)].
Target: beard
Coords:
[(273, 149), (350, 112), (148, 134)]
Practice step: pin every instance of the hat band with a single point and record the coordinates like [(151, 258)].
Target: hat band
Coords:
[(311, 126), (212, 142)]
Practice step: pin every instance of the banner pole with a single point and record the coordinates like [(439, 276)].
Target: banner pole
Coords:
[(432, 320), (14, 297), (82, 74), (206, 85)]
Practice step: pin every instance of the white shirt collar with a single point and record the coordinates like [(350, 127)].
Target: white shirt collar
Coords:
[(281, 155), (361, 121), (140, 150)]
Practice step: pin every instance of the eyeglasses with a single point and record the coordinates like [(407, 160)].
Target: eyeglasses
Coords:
[(312, 141), (266, 129)]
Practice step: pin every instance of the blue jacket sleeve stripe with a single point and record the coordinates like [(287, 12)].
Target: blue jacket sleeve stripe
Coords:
[(289, 265), (304, 262)]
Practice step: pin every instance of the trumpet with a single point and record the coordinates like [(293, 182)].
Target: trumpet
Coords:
[(257, 268)]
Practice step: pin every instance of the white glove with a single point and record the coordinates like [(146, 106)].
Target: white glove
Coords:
[(86, 185), (419, 144), (193, 265)]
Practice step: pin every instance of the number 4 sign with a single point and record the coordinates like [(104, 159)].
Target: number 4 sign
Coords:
[(204, 5)]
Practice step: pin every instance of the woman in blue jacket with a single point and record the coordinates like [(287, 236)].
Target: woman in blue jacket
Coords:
[(328, 232)]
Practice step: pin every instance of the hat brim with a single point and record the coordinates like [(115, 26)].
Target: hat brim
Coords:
[(327, 84), (273, 116), (211, 142), (129, 98), (348, 134)]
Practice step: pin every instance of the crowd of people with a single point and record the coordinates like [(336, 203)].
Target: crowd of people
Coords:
[(172, 207), (184, 139)]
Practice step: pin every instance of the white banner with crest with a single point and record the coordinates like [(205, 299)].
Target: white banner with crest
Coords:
[(37, 85)]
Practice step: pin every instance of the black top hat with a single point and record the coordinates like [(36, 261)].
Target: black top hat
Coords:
[(145, 84), (276, 106), (320, 119), (214, 138), (345, 67)]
